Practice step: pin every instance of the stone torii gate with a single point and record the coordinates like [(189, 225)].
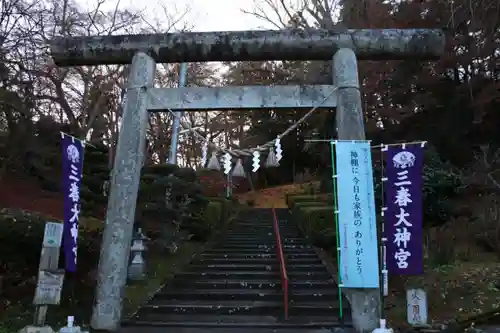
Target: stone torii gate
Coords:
[(144, 51)]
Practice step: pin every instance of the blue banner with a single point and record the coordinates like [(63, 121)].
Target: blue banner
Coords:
[(72, 165), (359, 264)]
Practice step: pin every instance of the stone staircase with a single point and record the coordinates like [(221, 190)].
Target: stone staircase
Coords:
[(238, 285), (313, 293)]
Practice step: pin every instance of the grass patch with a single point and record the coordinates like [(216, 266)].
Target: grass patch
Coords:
[(455, 292), (5, 330), (162, 268), (461, 278)]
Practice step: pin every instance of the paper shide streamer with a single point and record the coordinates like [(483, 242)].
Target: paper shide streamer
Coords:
[(272, 161), (238, 170), (213, 163)]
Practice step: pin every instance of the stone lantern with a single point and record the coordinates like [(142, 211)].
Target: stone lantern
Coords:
[(137, 265)]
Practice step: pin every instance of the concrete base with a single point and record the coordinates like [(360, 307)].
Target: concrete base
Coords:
[(36, 329), (365, 307)]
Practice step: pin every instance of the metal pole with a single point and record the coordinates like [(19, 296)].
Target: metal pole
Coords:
[(172, 158)]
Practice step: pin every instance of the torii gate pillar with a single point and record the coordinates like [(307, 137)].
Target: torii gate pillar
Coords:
[(365, 303), (120, 214)]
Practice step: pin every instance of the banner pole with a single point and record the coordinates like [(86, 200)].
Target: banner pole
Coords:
[(383, 238), (336, 217)]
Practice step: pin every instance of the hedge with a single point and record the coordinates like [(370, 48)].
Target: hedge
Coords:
[(307, 204), (314, 214), (292, 199), (316, 220), (213, 220)]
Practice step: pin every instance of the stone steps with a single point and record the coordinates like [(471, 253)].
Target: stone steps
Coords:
[(238, 285)]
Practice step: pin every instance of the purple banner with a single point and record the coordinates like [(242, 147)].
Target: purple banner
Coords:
[(403, 217), (72, 164)]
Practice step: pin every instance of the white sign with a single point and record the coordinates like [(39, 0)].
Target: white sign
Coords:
[(417, 307), (48, 288), (52, 236)]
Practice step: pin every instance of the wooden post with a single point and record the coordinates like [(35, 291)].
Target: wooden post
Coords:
[(365, 303), (50, 278)]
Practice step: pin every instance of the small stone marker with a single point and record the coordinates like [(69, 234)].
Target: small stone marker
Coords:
[(417, 307), (48, 288), (50, 278)]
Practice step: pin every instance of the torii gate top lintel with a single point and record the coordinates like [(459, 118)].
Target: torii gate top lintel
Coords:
[(292, 44)]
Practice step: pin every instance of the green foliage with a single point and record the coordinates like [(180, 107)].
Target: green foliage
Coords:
[(441, 182), (315, 218), (292, 199), (317, 224), (204, 224), (96, 175), (21, 235), (212, 220), (159, 169), (5, 329), (308, 204), (227, 206), (162, 180)]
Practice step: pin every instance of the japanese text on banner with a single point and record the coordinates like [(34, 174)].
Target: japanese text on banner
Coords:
[(72, 164), (403, 217), (359, 263)]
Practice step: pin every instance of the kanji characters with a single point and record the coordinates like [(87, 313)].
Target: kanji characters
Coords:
[(402, 218), (74, 192), (402, 237), (357, 213), (73, 158), (401, 257), (75, 211), (403, 197), (402, 160)]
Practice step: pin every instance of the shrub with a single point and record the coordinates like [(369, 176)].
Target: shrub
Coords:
[(318, 225), (308, 204), (292, 199), (226, 207), (441, 182), (213, 219), (21, 235), (203, 224)]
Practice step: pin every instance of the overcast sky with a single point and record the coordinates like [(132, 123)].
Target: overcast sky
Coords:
[(205, 15)]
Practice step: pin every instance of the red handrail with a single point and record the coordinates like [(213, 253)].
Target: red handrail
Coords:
[(281, 256)]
